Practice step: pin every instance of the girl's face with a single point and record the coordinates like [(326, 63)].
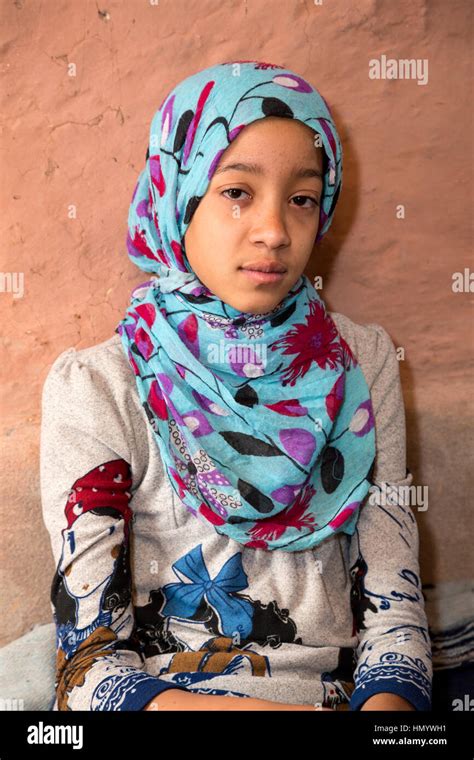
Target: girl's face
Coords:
[(267, 213)]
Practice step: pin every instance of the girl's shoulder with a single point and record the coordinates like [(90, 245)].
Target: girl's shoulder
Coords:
[(97, 378), (370, 343), (107, 351), (105, 361)]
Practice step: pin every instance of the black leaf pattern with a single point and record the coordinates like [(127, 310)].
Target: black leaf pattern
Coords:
[(182, 129), (149, 414), (334, 200), (191, 207), (276, 107), (370, 473), (332, 468), (280, 318), (256, 498), (237, 520), (195, 299), (246, 396), (151, 418), (248, 444)]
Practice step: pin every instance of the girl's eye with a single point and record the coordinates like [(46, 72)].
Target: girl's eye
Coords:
[(314, 202), (234, 190)]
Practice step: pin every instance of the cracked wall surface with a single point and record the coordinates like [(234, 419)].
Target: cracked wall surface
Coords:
[(73, 147)]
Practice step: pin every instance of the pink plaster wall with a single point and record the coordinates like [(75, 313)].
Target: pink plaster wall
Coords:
[(80, 141)]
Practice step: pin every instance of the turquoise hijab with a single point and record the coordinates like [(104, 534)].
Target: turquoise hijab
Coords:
[(275, 454)]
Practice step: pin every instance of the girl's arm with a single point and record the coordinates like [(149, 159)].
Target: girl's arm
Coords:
[(387, 701), (180, 700), (394, 665), (86, 487)]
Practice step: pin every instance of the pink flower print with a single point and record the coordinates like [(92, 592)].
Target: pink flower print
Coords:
[(143, 343), (157, 402), (138, 246), (188, 332), (191, 130), (178, 253), (147, 312), (296, 516), (335, 397), (156, 173), (315, 341), (344, 515)]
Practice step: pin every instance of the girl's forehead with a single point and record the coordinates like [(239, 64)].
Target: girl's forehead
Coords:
[(274, 125), (258, 139)]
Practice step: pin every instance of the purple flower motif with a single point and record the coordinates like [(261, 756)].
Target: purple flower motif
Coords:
[(214, 163), (166, 383), (299, 443), (245, 362), (130, 330), (363, 419), (176, 415), (141, 290), (286, 494), (143, 208), (328, 132), (208, 405), (235, 131), (197, 423), (292, 82), (198, 290)]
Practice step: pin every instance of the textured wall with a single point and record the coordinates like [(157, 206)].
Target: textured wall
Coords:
[(81, 140)]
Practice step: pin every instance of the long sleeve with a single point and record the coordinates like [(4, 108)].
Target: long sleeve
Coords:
[(394, 648), (86, 494)]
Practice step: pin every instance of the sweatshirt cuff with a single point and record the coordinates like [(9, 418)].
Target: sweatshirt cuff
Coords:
[(144, 689), (413, 694)]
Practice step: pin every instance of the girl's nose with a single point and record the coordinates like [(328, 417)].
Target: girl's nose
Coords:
[(269, 228)]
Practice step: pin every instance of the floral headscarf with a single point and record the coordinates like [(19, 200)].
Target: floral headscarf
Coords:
[(276, 454)]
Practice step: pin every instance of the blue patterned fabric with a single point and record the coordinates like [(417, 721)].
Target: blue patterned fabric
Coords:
[(282, 449)]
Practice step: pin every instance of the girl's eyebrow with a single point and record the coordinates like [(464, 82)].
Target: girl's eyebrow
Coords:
[(299, 171)]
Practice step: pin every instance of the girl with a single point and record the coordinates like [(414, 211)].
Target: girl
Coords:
[(214, 476)]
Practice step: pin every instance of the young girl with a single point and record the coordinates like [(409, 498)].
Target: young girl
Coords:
[(222, 480)]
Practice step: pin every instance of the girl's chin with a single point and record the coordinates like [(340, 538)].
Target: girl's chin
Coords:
[(254, 307)]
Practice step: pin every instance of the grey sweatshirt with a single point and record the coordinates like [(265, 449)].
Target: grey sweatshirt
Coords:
[(131, 596)]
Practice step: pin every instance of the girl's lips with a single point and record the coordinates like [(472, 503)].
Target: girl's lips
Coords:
[(267, 277)]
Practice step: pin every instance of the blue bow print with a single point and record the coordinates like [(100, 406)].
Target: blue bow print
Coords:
[(183, 599)]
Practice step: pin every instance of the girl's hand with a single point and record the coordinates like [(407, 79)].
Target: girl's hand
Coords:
[(178, 699)]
